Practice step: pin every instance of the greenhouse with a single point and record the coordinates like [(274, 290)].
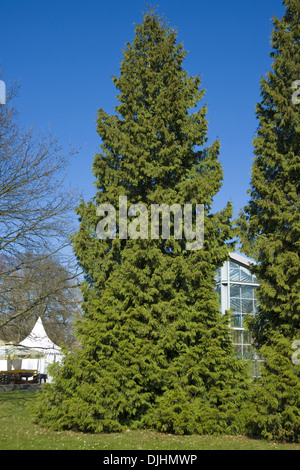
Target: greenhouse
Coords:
[(237, 286)]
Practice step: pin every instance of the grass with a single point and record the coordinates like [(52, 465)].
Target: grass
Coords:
[(17, 432)]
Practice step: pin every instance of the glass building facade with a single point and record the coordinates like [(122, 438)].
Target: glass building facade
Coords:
[(237, 290)]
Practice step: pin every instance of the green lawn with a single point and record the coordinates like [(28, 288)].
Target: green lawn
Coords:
[(17, 432)]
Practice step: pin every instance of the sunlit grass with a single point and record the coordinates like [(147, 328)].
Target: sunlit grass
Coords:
[(17, 432)]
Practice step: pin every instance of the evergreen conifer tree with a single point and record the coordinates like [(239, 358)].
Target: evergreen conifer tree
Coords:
[(270, 227), (156, 351), (274, 400)]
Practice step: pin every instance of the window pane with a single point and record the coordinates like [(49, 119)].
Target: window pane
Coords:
[(235, 290), (237, 336), (238, 350), (246, 337), (234, 272), (247, 292), (248, 352), (235, 305), (236, 320), (245, 275), (247, 306)]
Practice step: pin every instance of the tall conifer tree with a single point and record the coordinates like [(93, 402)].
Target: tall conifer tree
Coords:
[(270, 231), (156, 351), (271, 223)]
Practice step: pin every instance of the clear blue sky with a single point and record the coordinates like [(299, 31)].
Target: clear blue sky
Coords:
[(64, 52)]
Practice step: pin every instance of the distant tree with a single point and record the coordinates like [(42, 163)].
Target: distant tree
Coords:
[(42, 288), (270, 227), (155, 349), (36, 209)]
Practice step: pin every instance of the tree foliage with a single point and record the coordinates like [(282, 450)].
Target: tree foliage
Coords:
[(270, 223), (155, 349), (274, 403), (270, 231)]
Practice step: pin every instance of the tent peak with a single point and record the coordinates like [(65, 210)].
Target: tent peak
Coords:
[(38, 337)]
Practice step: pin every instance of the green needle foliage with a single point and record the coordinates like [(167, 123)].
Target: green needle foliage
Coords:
[(270, 230), (155, 350)]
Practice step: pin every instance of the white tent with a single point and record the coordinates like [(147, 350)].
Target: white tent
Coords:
[(39, 341), (12, 355)]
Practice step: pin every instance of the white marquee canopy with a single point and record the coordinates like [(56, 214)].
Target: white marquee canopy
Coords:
[(35, 352), (39, 341)]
